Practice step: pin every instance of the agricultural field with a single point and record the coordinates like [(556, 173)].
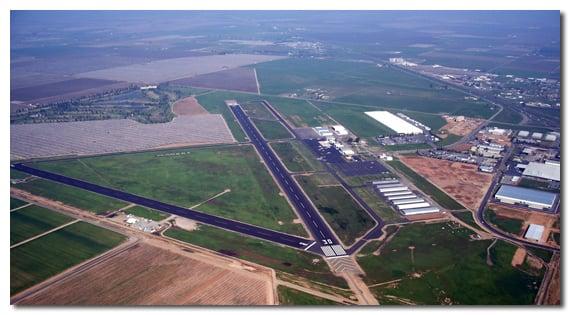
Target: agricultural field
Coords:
[(49, 255), (439, 264), (33, 220), (72, 196), (175, 68), (188, 177), (272, 129), (296, 157), (188, 106), (111, 136), (348, 220), (176, 277), (289, 296), (237, 79), (281, 258), (146, 213), (461, 181), (425, 186), (59, 89)]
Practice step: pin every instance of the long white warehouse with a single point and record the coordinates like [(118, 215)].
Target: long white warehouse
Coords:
[(392, 189), (405, 201), (400, 197), (397, 193), (420, 210), (413, 205), (394, 122)]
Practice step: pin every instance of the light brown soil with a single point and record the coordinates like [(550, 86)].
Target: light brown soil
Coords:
[(528, 217), (188, 106), (148, 275), (499, 139), (186, 224), (461, 181), (552, 296), (518, 257), (461, 128)]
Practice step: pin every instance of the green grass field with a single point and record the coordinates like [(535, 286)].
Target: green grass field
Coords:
[(426, 187), (299, 113), (191, 178), (466, 217), (509, 225), (265, 253), (147, 213), (289, 296), (272, 129), (16, 203), (33, 220), (339, 209), (296, 157), (508, 116), (47, 256), (447, 268), (14, 174), (72, 196), (255, 109)]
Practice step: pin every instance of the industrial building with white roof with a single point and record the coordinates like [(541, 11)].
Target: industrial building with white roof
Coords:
[(532, 198), (399, 125)]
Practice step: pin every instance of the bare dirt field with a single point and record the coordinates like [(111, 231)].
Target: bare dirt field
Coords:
[(188, 106), (238, 79), (518, 257), (460, 128), (111, 136), (499, 139), (149, 275), (461, 181), (527, 216), (552, 296), (176, 68), (51, 90)]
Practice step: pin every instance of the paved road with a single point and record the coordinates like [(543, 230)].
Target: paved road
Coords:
[(316, 225), (236, 226)]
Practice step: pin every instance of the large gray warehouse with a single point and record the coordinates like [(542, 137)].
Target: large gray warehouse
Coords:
[(532, 198)]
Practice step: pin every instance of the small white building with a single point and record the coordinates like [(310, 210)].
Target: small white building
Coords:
[(534, 232), (339, 130)]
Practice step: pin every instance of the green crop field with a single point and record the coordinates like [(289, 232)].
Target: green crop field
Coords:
[(47, 256), (15, 203), (289, 296), (272, 129), (265, 253), (147, 213), (72, 196), (192, 177), (299, 113), (296, 157), (33, 220), (509, 225), (447, 267), (339, 209), (426, 187)]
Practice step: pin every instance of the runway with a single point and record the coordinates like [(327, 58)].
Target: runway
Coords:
[(314, 222), (232, 225)]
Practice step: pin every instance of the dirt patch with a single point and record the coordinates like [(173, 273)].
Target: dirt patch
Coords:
[(518, 257), (461, 181), (552, 296), (499, 139), (188, 106), (186, 224), (460, 126), (149, 275)]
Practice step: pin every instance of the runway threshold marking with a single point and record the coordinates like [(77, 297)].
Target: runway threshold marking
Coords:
[(310, 245)]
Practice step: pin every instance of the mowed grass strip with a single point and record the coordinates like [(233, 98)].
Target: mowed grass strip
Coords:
[(72, 196), (187, 177), (426, 187), (299, 113), (146, 213), (47, 256), (272, 129), (16, 203), (336, 205), (446, 267), (296, 157), (289, 296), (33, 220), (262, 252)]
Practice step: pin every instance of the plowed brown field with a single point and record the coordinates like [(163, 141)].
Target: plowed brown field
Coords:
[(188, 106)]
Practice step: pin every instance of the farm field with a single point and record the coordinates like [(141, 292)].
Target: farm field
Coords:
[(446, 267), (281, 258), (111, 136), (289, 296), (149, 275), (176, 68), (426, 187), (296, 157), (237, 79), (72, 196), (49, 90), (272, 129), (146, 213), (348, 220), (33, 220), (461, 181), (47, 256), (188, 106), (188, 177)]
